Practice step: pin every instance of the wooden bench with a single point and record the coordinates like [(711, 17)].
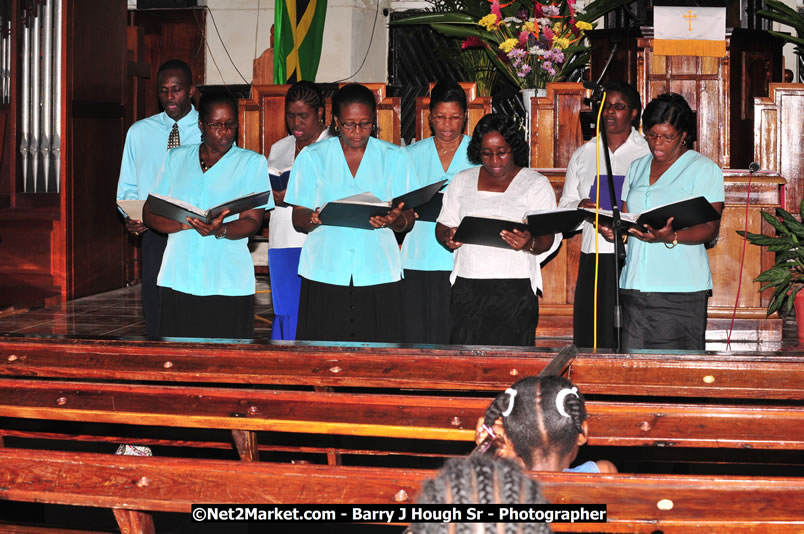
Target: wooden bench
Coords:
[(773, 377), (420, 417), (228, 387), (689, 503)]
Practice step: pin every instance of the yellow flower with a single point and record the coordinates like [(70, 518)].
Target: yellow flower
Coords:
[(508, 45), (529, 26), (489, 22), (557, 29), (583, 25), (561, 42)]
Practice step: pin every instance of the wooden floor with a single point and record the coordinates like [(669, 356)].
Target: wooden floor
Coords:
[(119, 314)]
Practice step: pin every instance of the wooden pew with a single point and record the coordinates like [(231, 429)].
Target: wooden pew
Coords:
[(728, 376), (688, 503), (63, 380), (409, 416)]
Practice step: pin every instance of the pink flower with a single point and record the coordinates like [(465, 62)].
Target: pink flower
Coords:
[(523, 37), (495, 8), (537, 10), (472, 42)]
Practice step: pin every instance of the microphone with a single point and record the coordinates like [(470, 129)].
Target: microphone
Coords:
[(592, 86), (753, 167)]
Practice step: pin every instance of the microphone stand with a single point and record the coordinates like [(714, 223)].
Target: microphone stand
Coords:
[(619, 247)]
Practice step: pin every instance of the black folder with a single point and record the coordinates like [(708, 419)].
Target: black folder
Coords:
[(484, 231), (686, 213), (429, 212), (355, 211), (179, 210)]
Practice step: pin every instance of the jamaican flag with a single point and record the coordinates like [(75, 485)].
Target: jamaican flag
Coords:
[(298, 32)]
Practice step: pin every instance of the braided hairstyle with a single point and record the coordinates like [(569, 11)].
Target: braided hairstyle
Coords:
[(535, 422), (671, 108), (307, 92), (354, 93), (480, 479), (507, 128)]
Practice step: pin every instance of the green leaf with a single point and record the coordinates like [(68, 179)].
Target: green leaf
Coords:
[(773, 221), (596, 9), (436, 18)]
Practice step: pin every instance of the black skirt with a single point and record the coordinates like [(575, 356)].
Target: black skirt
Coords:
[(425, 303), (583, 310), (669, 321), (213, 316), (494, 312), (350, 313)]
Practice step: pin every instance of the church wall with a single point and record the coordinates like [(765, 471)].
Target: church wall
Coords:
[(347, 34)]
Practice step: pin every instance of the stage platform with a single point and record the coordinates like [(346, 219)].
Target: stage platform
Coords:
[(118, 314)]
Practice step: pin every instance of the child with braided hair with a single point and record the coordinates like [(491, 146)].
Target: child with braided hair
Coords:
[(480, 479), (540, 422)]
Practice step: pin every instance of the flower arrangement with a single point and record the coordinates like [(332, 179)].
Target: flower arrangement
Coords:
[(531, 42)]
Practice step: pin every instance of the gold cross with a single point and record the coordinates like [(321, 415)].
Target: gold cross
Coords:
[(689, 16)]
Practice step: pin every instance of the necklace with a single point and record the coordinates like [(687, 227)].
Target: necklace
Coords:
[(204, 166)]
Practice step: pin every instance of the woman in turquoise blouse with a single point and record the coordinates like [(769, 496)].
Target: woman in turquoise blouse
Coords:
[(207, 281), (666, 281), (427, 263), (350, 276)]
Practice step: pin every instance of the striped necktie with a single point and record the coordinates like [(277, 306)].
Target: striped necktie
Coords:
[(173, 140)]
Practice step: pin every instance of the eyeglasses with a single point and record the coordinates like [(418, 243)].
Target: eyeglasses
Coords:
[(349, 126), (487, 154), (666, 138), (619, 106), (219, 125), (444, 118)]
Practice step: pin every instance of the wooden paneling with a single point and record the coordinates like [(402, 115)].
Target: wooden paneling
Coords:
[(94, 254), (476, 108), (171, 34), (555, 126), (703, 82), (262, 116), (779, 138)]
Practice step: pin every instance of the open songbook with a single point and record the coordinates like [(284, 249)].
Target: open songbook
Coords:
[(685, 213), (356, 210), (178, 210)]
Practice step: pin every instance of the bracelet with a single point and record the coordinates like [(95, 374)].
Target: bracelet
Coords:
[(223, 234), (675, 240)]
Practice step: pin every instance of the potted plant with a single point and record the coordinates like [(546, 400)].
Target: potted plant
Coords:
[(786, 277), (531, 42)]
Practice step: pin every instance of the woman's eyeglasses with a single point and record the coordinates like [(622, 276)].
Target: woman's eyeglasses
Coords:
[(349, 126), (220, 125), (619, 106), (666, 138)]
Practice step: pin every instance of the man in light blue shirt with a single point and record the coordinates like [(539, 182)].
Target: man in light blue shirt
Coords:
[(147, 143)]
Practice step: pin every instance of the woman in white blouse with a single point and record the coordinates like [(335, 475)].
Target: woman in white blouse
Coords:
[(494, 290)]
